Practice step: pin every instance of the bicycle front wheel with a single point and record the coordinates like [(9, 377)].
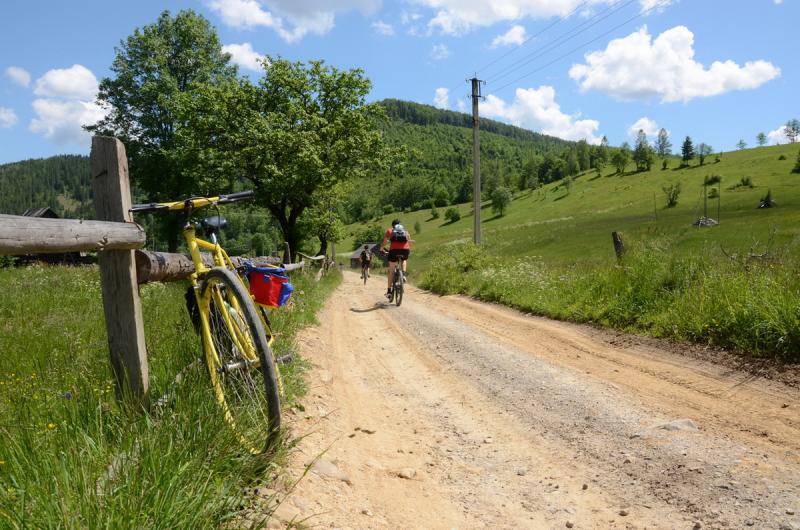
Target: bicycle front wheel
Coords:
[(239, 360)]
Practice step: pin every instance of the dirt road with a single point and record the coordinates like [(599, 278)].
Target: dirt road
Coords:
[(451, 413)]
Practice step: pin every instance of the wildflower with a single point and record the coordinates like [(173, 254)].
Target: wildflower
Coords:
[(51, 425), (2, 462)]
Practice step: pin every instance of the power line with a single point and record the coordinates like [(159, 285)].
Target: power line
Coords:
[(563, 39), (641, 14), (537, 34)]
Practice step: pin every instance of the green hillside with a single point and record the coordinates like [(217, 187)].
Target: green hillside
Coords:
[(564, 226), (60, 182)]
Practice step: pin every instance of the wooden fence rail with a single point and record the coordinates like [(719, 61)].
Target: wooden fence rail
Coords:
[(33, 235), (167, 267)]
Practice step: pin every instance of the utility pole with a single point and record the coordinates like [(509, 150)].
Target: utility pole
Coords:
[(476, 161)]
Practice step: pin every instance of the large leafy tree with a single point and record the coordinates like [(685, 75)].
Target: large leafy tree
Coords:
[(152, 67), (642, 153), (663, 145), (301, 130)]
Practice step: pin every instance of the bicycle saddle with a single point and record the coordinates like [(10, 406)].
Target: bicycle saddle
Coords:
[(215, 223)]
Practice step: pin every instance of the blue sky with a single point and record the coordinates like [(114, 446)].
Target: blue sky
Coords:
[(717, 71)]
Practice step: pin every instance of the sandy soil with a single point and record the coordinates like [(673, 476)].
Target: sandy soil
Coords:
[(451, 413)]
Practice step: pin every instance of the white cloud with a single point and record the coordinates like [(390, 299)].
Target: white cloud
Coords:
[(645, 124), (778, 1), (19, 75), (778, 136), (290, 19), (8, 118), (440, 52), (461, 105), (75, 82), (537, 109), (245, 56), (514, 36), (67, 105), (441, 98), (60, 121), (638, 67), (383, 28), (459, 16)]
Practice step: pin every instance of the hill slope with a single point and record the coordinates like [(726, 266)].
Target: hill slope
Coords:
[(60, 182)]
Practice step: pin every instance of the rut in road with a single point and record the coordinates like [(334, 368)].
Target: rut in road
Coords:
[(450, 413)]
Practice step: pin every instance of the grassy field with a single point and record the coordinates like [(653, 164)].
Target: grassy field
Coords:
[(734, 285), (566, 228), (71, 457)]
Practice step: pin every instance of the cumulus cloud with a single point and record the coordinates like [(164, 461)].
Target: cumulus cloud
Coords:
[(18, 75), (383, 28), (645, 124), (290, 19), (514, 36), (441, 98), (75, 82), (439, 52), (66, 105), (536, 109), (778, 136), (245, 56), (461, 105), (459, 16), (8, 118), (638, 67)]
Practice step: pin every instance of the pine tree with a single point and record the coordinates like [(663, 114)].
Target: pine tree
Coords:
[(687, 151)]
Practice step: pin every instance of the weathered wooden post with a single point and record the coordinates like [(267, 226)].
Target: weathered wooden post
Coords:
[(121, 303), (619, 247)]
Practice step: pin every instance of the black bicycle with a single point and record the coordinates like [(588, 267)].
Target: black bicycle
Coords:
[(398, 282)]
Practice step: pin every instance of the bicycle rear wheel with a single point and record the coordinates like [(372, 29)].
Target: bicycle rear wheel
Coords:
[(398, 286), (239, 360)]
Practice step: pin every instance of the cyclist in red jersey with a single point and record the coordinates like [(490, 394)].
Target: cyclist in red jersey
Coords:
[(400, 246)]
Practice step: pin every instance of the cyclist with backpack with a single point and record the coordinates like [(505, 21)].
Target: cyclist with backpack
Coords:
[(366, 260), (399, 249)]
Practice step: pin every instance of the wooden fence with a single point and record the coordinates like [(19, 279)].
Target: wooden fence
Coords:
[(116, 238)]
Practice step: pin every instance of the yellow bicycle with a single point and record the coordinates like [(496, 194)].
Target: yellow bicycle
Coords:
[(235, 333)]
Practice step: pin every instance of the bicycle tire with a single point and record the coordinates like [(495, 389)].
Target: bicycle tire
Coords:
[(248, 394), (398, 286)]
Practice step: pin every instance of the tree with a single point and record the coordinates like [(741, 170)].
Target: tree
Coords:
[(584, 156), (642, 154), (152, 67), (792, 130), (672, 192), (621, 157), (687, 151), (761, 138), (703, 150), (796, 168), (741, 144), (501, 198), (600, 153), (663, 146), (293, 137), (451, 215)]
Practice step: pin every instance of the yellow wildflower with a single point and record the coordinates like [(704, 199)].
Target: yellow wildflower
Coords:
[(51, 425)]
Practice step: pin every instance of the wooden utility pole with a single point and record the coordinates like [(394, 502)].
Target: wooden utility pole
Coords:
[(123, 309), (476, 161)]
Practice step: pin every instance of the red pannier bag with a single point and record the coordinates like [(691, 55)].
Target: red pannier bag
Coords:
[(269, 286)]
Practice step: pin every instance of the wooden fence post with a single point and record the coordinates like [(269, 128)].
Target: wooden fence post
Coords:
[(121, 303), (619, 247)]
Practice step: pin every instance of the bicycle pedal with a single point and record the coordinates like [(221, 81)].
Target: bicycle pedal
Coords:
[(285, 359)]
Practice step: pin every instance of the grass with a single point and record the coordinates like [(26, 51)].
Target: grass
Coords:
[(72, 457), (552, 254)]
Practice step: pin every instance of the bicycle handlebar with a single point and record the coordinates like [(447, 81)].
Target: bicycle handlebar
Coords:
[(193, 203)]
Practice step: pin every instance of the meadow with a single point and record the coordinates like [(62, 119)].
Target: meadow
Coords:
[(72, 456), (732, 285)]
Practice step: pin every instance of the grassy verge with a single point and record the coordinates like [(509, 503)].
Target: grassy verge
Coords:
[(71, 457), (747, 306)]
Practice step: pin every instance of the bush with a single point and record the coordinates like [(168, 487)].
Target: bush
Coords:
[(713, 194), (711, 180), (434, 212), (417, 228), (796, 168), (387, 209), (672, 192), (782, 157), (451, 215), (664, 164)]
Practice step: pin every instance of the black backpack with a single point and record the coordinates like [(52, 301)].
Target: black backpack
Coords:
[(366, 255), (399, 233)]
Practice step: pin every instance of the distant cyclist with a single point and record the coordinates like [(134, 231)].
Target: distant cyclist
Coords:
[(366, 260), (399, 247)]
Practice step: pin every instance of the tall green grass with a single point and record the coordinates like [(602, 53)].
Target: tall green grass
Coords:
[(746, 305), (72, 457)]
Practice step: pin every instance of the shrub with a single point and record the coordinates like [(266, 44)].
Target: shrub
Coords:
[(434, 212), (664, 164), (796, 168), (672, 192), (417, 228), (451, 215), (782, 157), (387, 209), (713, 194), (711, 180)]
